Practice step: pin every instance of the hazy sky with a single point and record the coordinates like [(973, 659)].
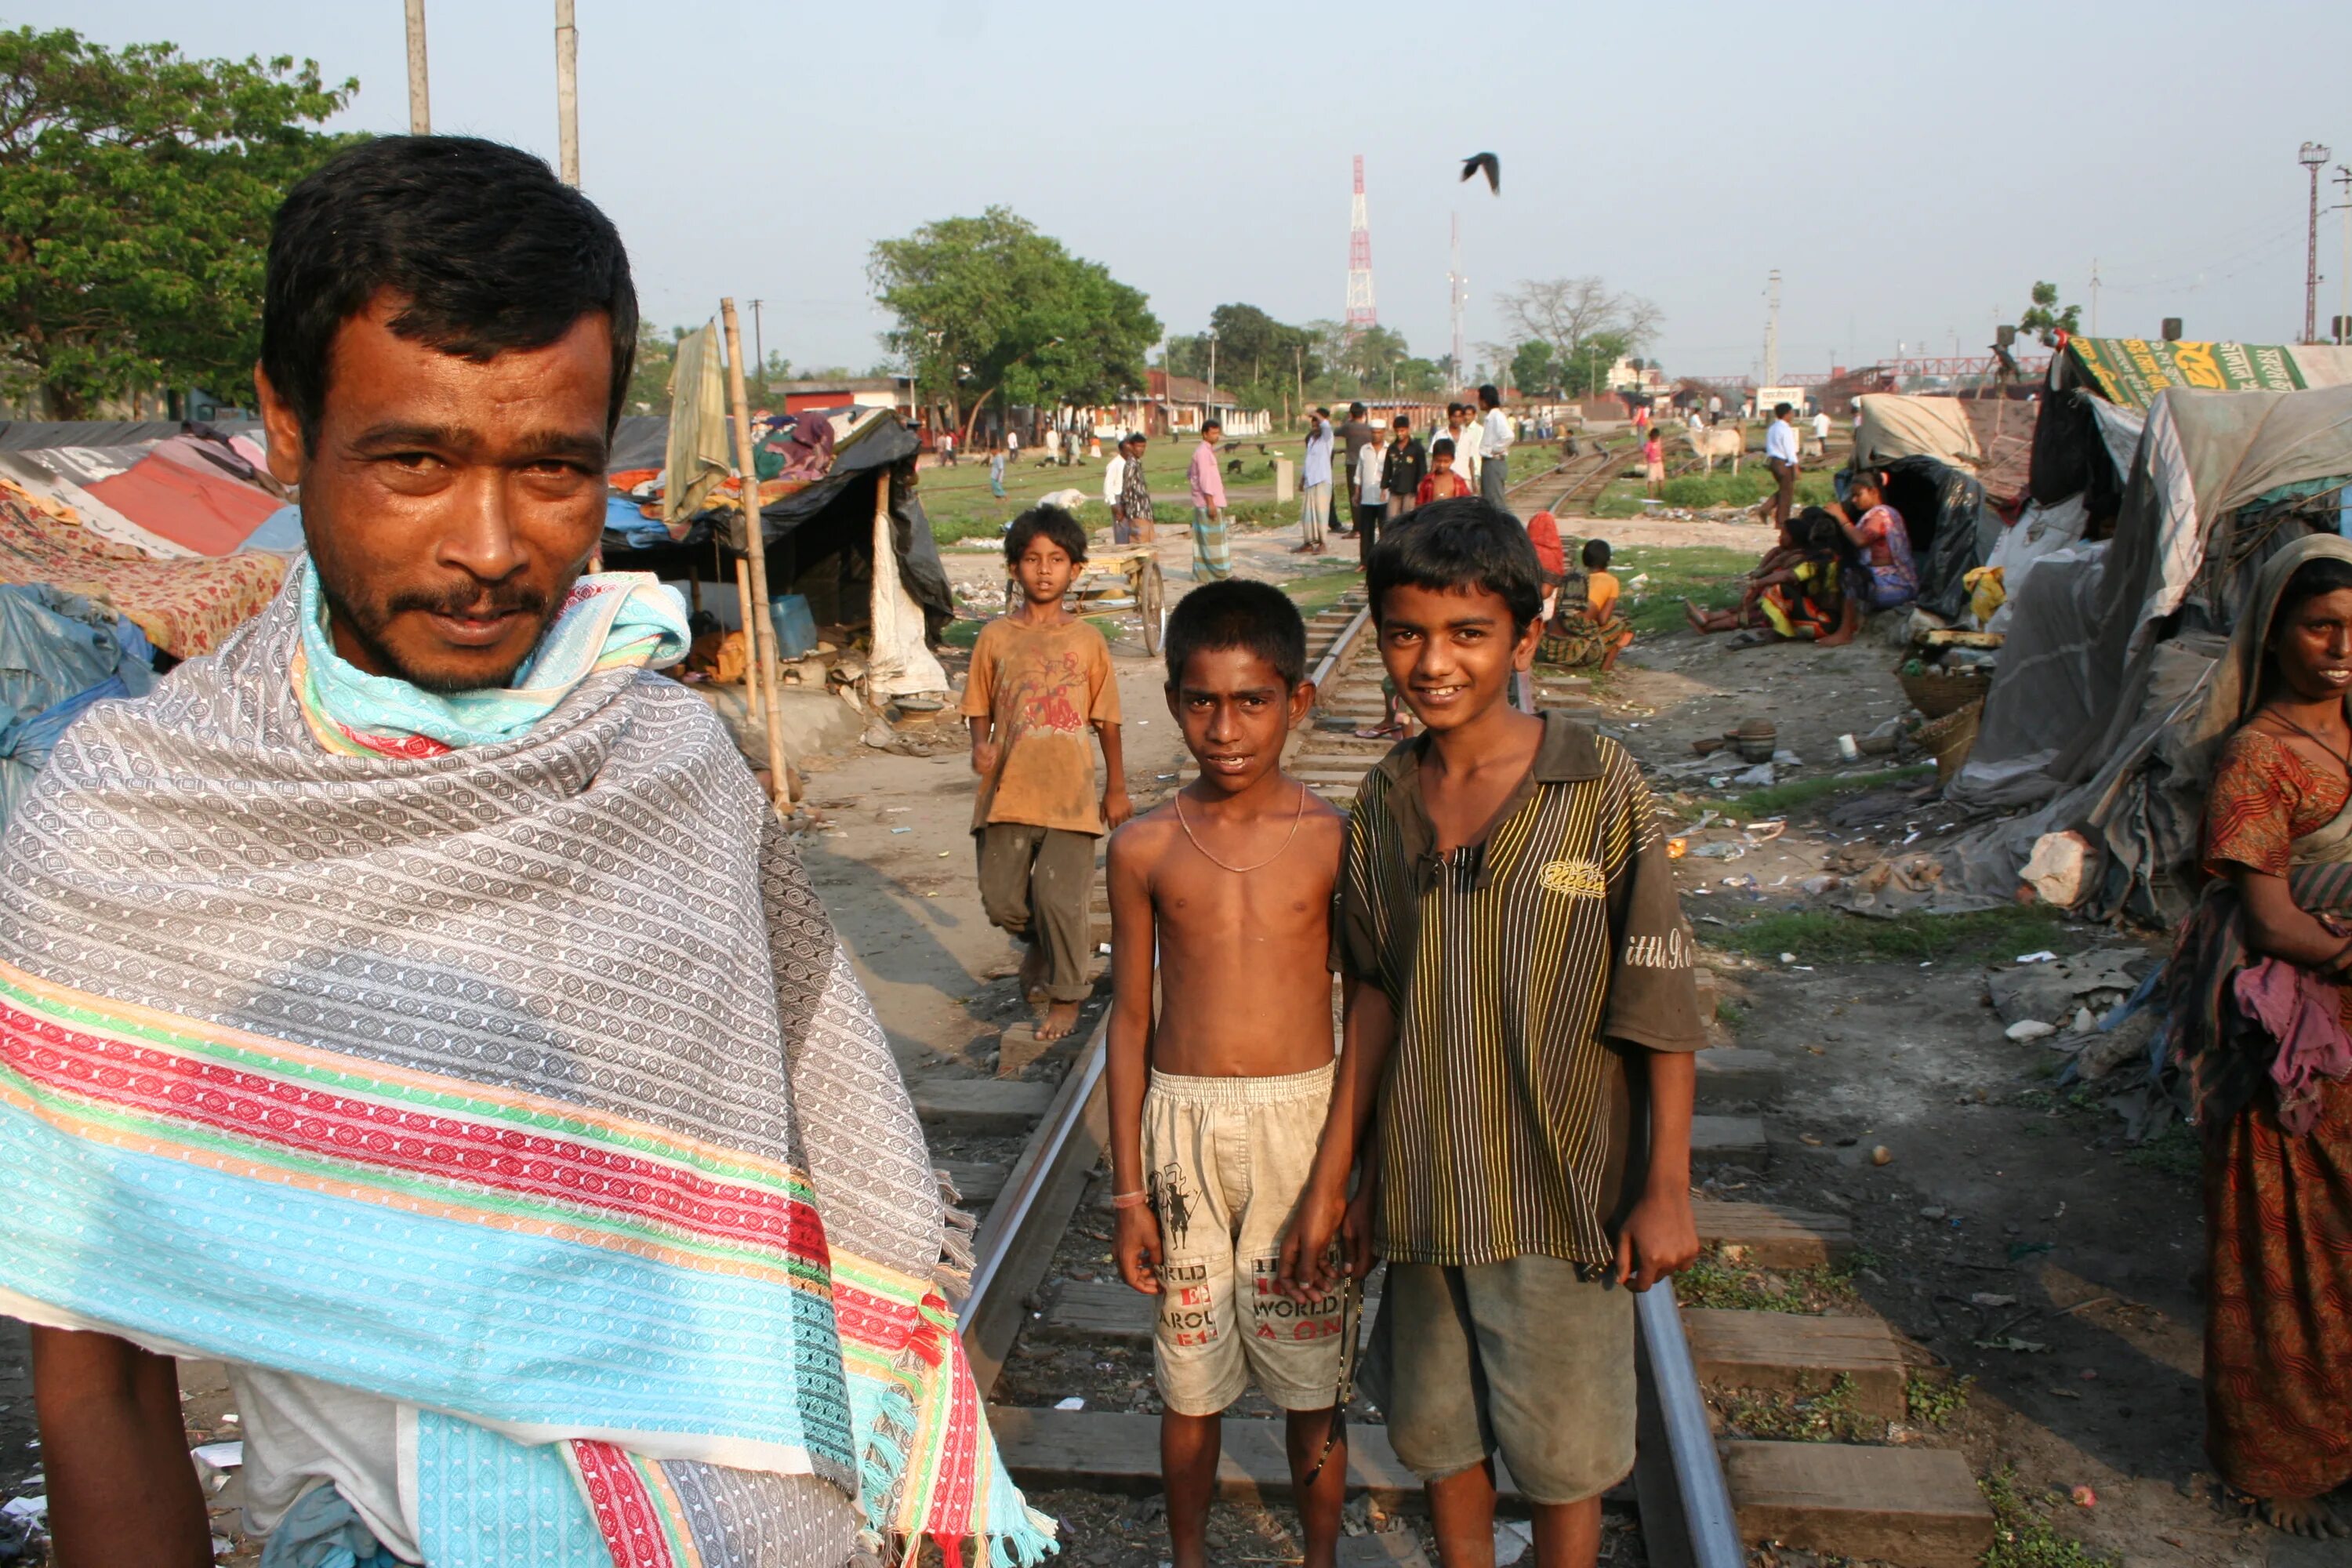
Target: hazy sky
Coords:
[(1910, 168)]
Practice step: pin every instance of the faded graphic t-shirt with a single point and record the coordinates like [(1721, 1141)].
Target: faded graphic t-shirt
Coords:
[(1042, 689)]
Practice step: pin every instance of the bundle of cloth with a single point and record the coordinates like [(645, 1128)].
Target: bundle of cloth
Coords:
[(59, 654), (480, 1078)]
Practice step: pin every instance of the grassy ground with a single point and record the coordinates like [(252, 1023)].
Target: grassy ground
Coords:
[(1709, 576), (1837, 937), (1780, 799), (961, 507), (1622, 496)]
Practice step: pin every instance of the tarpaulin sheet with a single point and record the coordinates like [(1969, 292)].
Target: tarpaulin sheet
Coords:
[(2132, 370), (169, 496), (59, 654), (185, 607), (1892, 426)]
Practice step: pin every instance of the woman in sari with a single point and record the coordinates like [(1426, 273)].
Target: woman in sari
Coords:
[(1803, 593), (2258, 1009)]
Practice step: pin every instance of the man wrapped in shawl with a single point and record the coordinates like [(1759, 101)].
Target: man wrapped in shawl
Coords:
[(416, 1006), (2258, 1009)]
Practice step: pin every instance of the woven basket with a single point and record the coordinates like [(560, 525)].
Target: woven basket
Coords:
[(1949, 740), (1938, 693)]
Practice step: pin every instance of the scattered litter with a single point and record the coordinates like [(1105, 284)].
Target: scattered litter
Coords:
[(1882, 1155), (1727, 849), (1990, 1299), (1677, 848), (902, 830), (1932, 1212), (1163, 778), (1103, 948), (221, 1455), (2030, 1029), (1766, 831), (943, 854), (2044, 956), (1759, 776), (1512, 1539), (1072, 1402), (1815, 886), (34, 1510), (2084, 1498), (1810, 1138), (1743, 884), (2011, 1342)]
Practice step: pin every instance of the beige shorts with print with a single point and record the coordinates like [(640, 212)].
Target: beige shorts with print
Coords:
[(1226, 1159)]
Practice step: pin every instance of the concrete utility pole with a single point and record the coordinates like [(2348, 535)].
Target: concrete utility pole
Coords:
[(1772, 331), (567, 93), (420, 97), (2344, 273), (1210, 411), (760, 353), (2094, 296), (2312, 156), (1457, 294)]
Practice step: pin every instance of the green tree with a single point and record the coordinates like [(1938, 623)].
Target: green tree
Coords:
[(2046, 321), (1532, 370), (136, 190), (1586, 325), (1260, 362), (988, 307)]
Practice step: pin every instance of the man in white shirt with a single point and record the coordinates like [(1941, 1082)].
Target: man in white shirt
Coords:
[(1370, 495), (1114, 479), (1781, 457), (1494, 466), (1463, 421), (1822, 427), (1314, 484)]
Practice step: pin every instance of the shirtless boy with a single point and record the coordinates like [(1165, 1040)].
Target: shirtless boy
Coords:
[(1215, 1106)]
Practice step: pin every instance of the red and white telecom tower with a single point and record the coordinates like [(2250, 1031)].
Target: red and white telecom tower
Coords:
[(1361, 313)]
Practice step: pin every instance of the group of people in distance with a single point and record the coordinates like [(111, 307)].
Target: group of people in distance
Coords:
[(1545, 1023), (1832, 567)]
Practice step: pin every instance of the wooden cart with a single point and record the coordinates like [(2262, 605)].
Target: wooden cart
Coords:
[(1124, 577)]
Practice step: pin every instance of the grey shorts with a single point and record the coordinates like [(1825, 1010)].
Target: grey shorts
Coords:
[(1524, 1356)]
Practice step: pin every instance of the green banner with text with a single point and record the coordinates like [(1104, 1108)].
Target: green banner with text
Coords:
[(2132, 370)]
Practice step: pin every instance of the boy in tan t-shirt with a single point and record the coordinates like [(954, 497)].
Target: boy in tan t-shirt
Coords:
[(1040, 677)]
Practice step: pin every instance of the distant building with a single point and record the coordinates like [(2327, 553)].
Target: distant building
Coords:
[(1177, 404)]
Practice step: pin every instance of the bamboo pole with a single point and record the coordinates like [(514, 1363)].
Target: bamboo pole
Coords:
[(567, 93), (754, 689), (757, 620), (420, 97)]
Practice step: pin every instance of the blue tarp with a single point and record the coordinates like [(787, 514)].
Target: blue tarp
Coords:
[(59, 654)]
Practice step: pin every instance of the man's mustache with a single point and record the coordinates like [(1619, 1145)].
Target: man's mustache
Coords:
[(470, 601)]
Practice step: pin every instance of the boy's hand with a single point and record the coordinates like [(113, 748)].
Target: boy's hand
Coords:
[(1116, 808), (1355, 1230), (984, 757), (1136, 1248), (1305, 1268), (1660, 1236)]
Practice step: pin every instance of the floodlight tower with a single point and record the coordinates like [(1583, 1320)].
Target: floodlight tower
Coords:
[(2314, 157), (1457, 294), (1361, 313), (1772, 331)]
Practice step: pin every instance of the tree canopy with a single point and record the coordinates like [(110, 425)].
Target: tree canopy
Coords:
[(1585, 326), (988, 307), (136, 191), (2046, 321), (1266, 364)]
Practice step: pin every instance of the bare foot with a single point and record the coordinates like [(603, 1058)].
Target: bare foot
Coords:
[(2307, 1517), (1697, 621), (1059, 1020), (1033, 973)]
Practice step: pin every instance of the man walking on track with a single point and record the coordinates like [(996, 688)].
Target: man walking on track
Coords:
[(1352, 436), (1212, 561), (1781, 457), (1494, 448), (464, 1061)]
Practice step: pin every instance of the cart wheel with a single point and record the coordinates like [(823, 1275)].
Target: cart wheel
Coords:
[(1149, 603)]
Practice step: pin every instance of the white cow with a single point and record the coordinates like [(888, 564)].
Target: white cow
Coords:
[(1723, 441)]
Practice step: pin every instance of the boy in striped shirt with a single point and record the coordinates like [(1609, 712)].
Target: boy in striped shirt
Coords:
[(1521, 1016)]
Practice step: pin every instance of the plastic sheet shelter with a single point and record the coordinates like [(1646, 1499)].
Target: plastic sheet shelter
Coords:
[(819, 536), (1892, 426), (2127, 635)]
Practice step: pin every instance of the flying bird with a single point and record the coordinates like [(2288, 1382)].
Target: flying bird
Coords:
[(1490, 163)]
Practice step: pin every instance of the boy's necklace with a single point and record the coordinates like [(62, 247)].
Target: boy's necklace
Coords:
[(1296, 817)]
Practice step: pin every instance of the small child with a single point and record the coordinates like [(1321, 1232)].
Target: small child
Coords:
[(1811, 593), (1654, 457), (1520, 1022), (1441, 483), (1215, 1106), (1594, 633), (1040, 676)]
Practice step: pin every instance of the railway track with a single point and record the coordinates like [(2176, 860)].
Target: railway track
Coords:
[(1026, 1154)]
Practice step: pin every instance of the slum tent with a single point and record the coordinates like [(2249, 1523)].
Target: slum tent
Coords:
[(1926, 448), (2113, 644), (854, 543)]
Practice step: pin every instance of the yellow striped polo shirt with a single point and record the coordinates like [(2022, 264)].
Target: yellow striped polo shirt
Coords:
[(1528, 971)]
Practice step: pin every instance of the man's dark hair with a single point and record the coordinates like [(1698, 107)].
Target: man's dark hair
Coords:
[(1441, 447), (1779, 408), (1322, 413), (1489, 396), (1355, 411), (487, 251), (1256, 618), (1462, 545), (1053, 522), (1209, 425), (1402, 423), (1595, 554)]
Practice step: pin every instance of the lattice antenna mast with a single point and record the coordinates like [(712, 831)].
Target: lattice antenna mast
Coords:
[(1457, 294), (1772, 331), (1361, 313)]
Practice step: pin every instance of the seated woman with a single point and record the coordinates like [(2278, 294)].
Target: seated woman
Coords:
[(2257, 1004), (1592, 632), (1799, 595), (1890, 579)]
